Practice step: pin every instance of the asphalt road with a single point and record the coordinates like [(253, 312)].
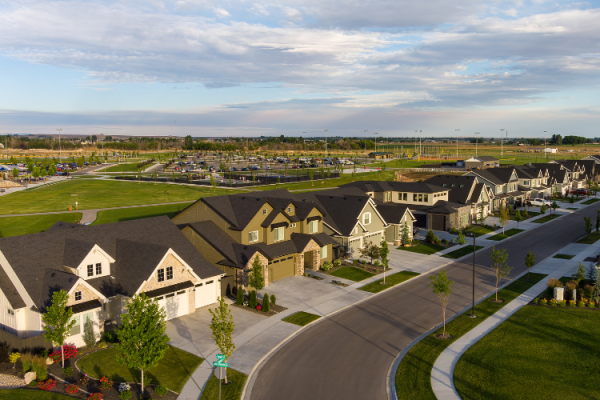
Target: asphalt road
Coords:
[(348, 355)]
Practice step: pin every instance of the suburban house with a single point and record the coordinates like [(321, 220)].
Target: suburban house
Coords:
[(285, 233), (481, 162), (351, 218), (558, 176), (465, 190), (596, 169), (503, 183), (577, 171), (533, 181), (101, 267), (429, 204)]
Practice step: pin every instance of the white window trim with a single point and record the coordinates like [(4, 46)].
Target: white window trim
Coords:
[(282, 237), (323, 250), (312, 224), (250, 236), (364, 217)]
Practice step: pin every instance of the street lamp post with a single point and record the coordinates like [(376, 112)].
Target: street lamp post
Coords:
[(476, 140), (375, 133), (59, 149), (366, 136), (457, 133), (326, 130), (501, 142), (545, 152), (473, 300)]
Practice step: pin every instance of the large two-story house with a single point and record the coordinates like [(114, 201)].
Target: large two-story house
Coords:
[(285, 233), (503, 183), (465, 190), (578, 174), (101, 267)]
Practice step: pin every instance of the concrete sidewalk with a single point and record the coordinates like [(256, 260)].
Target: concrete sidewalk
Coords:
[(442, 374)]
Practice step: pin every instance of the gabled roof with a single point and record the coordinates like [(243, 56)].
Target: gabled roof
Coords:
[(393, 213), (460, 186), (498, 176), (10, 291), (385, 186), (135, 245), (75, 251), (486, 158)]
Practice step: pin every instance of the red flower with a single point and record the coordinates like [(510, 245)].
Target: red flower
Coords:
[(72, 389), (259, 307), (96, 396), (47, 385)]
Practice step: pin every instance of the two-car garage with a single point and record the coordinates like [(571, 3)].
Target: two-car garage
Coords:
[(175, 299)]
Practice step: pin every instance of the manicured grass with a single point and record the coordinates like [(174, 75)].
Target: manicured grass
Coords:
[(463, 251), (546, 218), (590, 201), (233, 391), (423, 248), (479, 230), (413, 378), (13, 226), (30, 394), (131, 167), (572, 208), (173, 371), (506, 234), (590, 239), (352, 273), (392, 280), (301, 318), (94, 193), (326, 183), (530, 214), (563, 256), (537, 353), (127, 214)]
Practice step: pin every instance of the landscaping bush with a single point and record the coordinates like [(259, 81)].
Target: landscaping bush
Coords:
[(44, 353), (273, 299), (239, 298), (47, 385), (266, 306), (96, 396), (161, 390), (552, 302), (326, 266), (562, 303), (68, 371), (337, 262), (125, 395), (588, 290), (105, 384), (363, 261), (377, 263), (110, 336), (253, 302), (436, 240), (84, 380), (571, 303), (570, 286), (536, 300), (430, 237), (39, 366), (123, 387), (453, 230), (4, 350), (355, 262), (69, 350), (33, 384), (581, 304), (553, 283), (72, 389), (26, 362)]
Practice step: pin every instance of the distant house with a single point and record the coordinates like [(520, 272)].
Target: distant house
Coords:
[(465, 190), (378, 155), (503, 183), (482, 162)]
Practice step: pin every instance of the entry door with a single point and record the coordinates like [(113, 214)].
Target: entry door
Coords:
[(308, 260)]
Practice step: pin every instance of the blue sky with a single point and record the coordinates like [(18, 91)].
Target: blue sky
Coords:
[(231, 67)]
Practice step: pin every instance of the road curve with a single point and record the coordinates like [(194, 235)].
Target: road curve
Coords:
[(348, 355)]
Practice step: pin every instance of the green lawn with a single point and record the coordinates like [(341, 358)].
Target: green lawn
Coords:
[(327, 183), (93, 193), (546, 218), (173, 371), (413, 378), (352, 273), (131, 167), (563, 256), (530, 214), (479, 230), (506, 234), (13, 226), (537, 353), (392, 280), (126, 214), (463, 251), (590, 201), (423, 248), (233, 391), (30, 394), (590, 239), (572, 208), (301, 318)]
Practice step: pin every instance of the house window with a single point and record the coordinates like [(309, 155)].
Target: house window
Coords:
[(278, 234), (420, 198), (91, 270), (387, 196), (405, 196), (426, 198), (313, 226), (414, 197), (265, 211), (161, 275), (77, 296), (366, 218), (323, 252), (76, 328), (290, 210), (88, 317), (253, 236), (99, 269), (10, 312), (169, 273), (400, 196)]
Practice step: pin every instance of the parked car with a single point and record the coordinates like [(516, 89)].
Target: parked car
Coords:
[(255, 168), (540, 202), (579, 192), (245, 169)]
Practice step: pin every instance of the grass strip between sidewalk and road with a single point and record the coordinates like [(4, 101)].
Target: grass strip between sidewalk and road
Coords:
[(463, 251), (31, 394), (413, 378), (232, 391), (506, 234), (590, 201), (352, 273), (391, 280), (546, 218), (563, 256), (590, 239), (301, 318), (423, 248)]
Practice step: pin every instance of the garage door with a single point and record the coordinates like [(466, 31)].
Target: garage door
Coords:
[(374, 238), (353, 246), (438, 223), (280, 269), (421, 221), (175, 304), (205, 293)]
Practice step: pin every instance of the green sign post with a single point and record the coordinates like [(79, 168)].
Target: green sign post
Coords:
[(220, 363)]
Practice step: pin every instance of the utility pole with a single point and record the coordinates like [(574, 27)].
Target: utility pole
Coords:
[(420, 148), (59, 148), (366, 132), (326, 130), (375, 133), (545, 153), (501, 142), (476, 140), (457, 133)]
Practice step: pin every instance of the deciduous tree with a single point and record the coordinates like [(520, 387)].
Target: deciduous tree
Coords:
[(222, 327), (256, 278), (529, 261), (58, 320), (370, 250), (499, 266), (503, 217), (442, 287), (384, 251)]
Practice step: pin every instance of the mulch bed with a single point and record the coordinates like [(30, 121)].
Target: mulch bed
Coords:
[(55, 371), (275, 308)]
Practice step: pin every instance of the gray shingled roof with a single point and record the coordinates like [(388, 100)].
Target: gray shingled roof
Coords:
[(134, 245), (10, 291), (486, 158), (392, 213), (385, 186), (459, 186)]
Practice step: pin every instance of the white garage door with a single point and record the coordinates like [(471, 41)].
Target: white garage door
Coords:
[(175, 304), (206, 293), (354, 245), (374, 238)]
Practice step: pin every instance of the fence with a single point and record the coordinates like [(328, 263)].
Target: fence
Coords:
[(15, 342)]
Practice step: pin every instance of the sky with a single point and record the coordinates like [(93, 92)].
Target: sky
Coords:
[(298, 67)]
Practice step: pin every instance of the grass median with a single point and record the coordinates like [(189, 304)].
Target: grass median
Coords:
[(563, 256), (391, 280), (546, 218), (232, 391), (590, 239), (413, 378), (301, 318), (590, 201)]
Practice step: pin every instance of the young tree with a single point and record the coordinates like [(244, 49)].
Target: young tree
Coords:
[(572, 200), (222, 327), (543, 209), (503, 217), (370, 251), (529, 261), (554, 206), (596, 293), (256, 278), (58, 320), (499, 266), (405, 234), (143, 341), (442, 287), (588, 224), (482, 214), (15, 173), (384, 251), (460, 239), (518, 218), (89, 337), (580, 274), (213, 183), (266, 306), (311, 174)]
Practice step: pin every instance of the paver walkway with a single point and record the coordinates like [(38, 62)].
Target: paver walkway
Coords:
[(442, 374)]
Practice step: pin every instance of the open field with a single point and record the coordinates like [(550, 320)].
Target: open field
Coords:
[(130, 167), (328, 183), (93, 194), (127, 214), (13, 226)]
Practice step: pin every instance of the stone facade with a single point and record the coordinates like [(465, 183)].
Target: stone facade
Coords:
[(242, 275), (316, 254), (180, 274), (86, 295)]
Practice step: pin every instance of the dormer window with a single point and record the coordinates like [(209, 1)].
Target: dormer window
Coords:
[(313, 226), (290, 210), (169, 273), (252, 236), (90, 270), (77, 296), (99, 269)]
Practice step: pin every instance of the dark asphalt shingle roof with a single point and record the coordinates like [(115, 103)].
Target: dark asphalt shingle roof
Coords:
[(85, 306), (460, 186), (486, 158), (392, 213), (497, 176), (10, 291), (134, 245), (385, 186)]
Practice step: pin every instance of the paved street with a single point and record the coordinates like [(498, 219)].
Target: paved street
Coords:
[(348, 355)]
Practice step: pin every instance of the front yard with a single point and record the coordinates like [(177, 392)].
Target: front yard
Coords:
[(478, 230), (538, 353), (506, 234), (352, 273), (423, 248)]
